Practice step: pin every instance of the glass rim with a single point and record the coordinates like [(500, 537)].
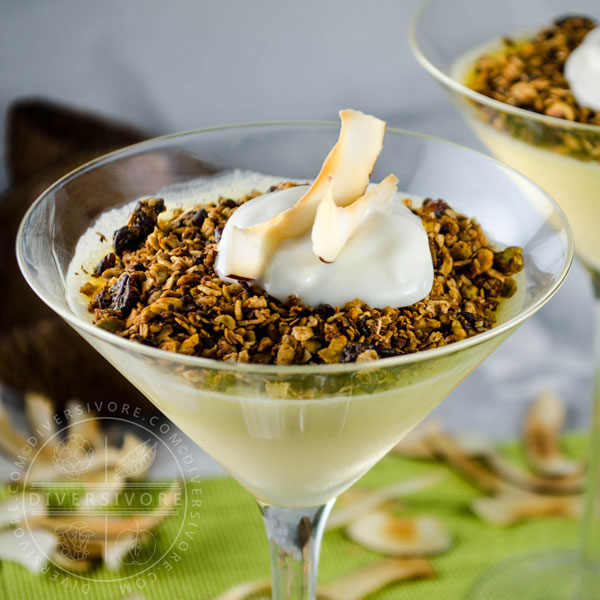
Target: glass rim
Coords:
[(476, 96), (270, 369)]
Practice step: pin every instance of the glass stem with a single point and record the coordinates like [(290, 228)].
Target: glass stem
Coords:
[(294, 536), (590, 525)]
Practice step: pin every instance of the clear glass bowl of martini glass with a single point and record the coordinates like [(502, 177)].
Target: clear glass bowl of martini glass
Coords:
[(563, 156), (296, 436)]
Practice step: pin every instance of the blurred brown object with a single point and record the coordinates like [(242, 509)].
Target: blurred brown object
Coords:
[(38, 351)]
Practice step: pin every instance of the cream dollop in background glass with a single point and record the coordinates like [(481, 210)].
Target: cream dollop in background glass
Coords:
[(387, 262), (582, 70)]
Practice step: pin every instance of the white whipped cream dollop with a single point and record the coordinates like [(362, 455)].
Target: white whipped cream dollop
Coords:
[(582, 71), (386, 262)]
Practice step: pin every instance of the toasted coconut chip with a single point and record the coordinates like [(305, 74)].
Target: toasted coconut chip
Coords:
[(476, 445), (133, 459), (29, 547), (113, 525), (542, 429), (87, 427), (448, 449), (12, 442), (374, 577), (334, 225), (14, 509), (69, 564), (414, 445), (46, 472), (392, 535), (509, 508), (376, 498), (355, 586), (246, 590), (350, 163), (40, 416)]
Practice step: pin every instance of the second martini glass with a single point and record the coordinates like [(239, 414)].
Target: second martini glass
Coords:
[(564, 158), (296, 436)]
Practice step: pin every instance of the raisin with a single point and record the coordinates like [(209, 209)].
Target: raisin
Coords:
[(325, 311), (351, 351), (140, 225), (145, 216), (574, 21), (108, 262), (125, 292), (103, 298), (366, 326), (399, 342), (468, 320), (125, 239), (385, 352), (229, 203), (440, 209), (188, 303), (198, 218)]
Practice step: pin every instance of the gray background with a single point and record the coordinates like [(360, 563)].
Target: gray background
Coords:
[(179, 65)]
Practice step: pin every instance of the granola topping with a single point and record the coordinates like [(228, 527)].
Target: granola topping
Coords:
[(164, 292), (530, 74)]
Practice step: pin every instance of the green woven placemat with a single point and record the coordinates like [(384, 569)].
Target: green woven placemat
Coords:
[(227, 545)]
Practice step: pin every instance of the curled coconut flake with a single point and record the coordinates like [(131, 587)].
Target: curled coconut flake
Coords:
[(29, 547), (69, 564), (105, 458), (374, 499), (541, 432), (85, 425), (334, 225), (350, 163), (374, 577), (15, 508), (12, 442), (392, 535), (40, 413), (510, 508), (480, 447), (246, 590), (414, 445), (448, 449), (113, 525), (355, 586)]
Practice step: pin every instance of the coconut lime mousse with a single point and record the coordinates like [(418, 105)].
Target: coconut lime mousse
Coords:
[(248, 268), (555, 73)]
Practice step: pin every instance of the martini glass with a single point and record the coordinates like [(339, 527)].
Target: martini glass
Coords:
[(296, 436), (564, 158)]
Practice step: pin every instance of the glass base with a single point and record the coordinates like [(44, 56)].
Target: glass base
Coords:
[(555, 575)]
